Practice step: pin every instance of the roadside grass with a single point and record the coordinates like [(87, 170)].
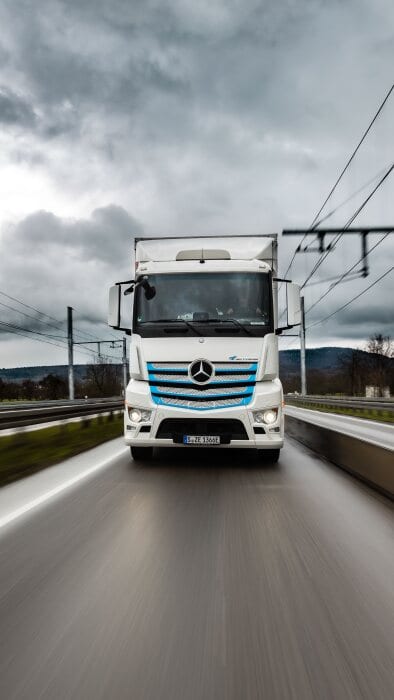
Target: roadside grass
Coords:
[(27, 452), (376, 414)]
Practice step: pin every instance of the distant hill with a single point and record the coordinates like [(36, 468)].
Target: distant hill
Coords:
[(316, 358), (329, 360)]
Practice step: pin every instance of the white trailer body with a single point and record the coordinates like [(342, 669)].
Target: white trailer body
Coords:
[(204, 347)]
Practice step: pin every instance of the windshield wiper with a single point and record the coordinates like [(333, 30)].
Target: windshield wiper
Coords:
[(174, 320), (227, 320)]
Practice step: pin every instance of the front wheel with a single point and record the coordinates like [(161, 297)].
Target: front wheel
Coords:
[(141, 454), (271, 456)]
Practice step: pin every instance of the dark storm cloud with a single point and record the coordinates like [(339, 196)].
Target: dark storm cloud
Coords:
[(120, 56), (15, 110), (53, 263), (197, 117), (102, 239)]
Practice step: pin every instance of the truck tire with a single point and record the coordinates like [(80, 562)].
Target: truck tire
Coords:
[(271, 456), (141, 454)]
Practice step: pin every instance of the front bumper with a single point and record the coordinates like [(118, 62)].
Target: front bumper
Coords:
[(267, 395)]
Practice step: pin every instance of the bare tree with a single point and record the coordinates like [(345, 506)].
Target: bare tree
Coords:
[(352, 366), (381, 347), (103, 380)]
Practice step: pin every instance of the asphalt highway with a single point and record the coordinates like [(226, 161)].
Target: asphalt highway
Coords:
[(203, 575)]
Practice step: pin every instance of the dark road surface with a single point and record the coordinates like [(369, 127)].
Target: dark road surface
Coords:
[(203, 575)]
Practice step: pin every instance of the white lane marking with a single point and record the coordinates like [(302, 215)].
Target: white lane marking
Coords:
[(56, 491)]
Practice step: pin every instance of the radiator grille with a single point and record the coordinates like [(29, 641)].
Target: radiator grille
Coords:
[(232, 385)]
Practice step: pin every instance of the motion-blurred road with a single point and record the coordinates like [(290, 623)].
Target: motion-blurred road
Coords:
[(201, 575)]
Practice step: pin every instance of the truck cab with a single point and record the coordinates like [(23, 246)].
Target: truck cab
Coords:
[(204, 347)]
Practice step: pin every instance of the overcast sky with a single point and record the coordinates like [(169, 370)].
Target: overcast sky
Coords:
[(179, 117)]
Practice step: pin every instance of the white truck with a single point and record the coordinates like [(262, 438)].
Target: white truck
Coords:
[(204, 347)]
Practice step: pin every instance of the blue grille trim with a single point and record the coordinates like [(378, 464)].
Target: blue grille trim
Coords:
[(243, 402), (161, 395), (249, 378), (208, 397), (181, 370)]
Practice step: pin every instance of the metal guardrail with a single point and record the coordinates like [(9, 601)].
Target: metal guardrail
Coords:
[(369, 462), (345, 402), (19, 416)]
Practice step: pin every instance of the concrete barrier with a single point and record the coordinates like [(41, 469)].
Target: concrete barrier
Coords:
[(368, 462)]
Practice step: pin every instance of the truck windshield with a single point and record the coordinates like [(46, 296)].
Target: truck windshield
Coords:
[(205, 303)]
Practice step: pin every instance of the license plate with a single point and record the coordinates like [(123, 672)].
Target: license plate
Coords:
[(201, 439)]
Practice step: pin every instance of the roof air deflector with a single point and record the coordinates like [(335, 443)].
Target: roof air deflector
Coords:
[(203, 254)]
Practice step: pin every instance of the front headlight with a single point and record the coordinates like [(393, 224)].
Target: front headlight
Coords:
[(138, 415), (269, 416)]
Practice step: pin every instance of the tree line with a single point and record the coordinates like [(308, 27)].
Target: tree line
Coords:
[(100, 380), (371, 366)]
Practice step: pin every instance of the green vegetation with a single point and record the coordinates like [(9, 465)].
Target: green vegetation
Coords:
[(27, 452), (379, 414)]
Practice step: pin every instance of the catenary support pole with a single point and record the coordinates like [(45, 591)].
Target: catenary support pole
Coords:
[(70, 353), (302, 356), (124, 363)]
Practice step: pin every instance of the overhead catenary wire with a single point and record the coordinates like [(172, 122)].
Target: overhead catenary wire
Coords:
[(339, 235), (34, 318), (351, 196), (341, 174), (57, 325), (338, 281), (45, 338), (357, 296), (343, 171), (347, 225), (15, 329), (32, 308)]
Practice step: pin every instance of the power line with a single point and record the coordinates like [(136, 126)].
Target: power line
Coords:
[(90, 335), (347, 225), (58, 324), (361, 207), (317, 323), (22, 331), (345, 274), (32, 308), (16, 329), (366, 132), (351, 196), (339, 178), (34, 318)]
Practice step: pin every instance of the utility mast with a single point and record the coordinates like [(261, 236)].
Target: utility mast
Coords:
[(70, 353), (302, 354)]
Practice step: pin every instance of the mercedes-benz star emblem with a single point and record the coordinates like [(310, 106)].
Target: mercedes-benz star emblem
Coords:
[(201, 371)]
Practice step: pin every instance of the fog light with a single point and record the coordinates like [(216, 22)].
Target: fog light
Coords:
[(135, 415), (138, 415), (258, 416)]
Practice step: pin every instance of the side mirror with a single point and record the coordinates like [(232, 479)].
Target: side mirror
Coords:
[(293, 304), (114, 306), (150, 292)]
